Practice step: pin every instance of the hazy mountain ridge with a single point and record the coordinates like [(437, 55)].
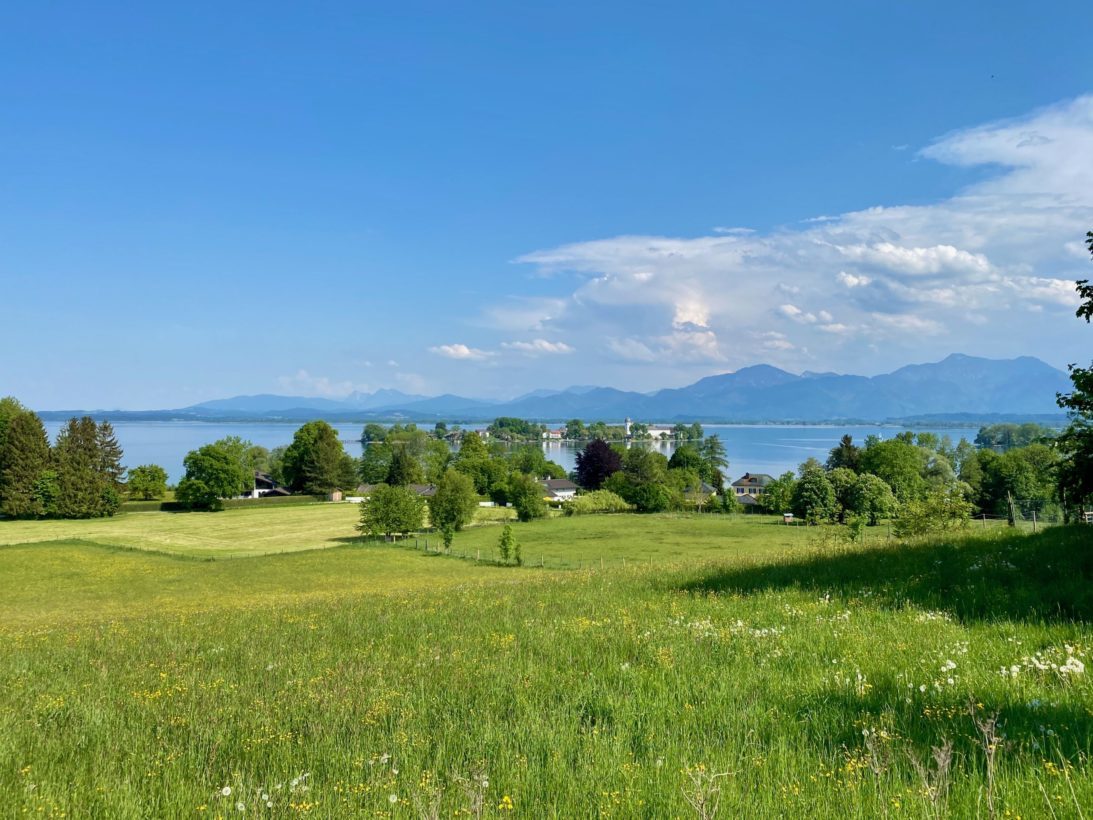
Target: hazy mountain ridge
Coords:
[(956, 386)]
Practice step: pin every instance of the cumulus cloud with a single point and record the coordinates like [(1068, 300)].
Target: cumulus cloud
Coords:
[(538, 346), (460, 351), (907, 275)]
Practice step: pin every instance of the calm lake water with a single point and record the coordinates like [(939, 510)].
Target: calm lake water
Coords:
[(767, 448)]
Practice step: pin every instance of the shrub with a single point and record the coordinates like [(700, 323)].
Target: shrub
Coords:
[(599, 501), (935, 513)]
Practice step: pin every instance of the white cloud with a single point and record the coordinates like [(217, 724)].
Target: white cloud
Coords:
[(854, 280), (303, 383), (907, 275), (538, 346), (939, 259), (460, 351)]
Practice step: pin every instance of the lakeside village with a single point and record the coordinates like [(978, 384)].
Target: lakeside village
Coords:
[(1011, 471)]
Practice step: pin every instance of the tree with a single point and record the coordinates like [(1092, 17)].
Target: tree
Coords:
[(24, 459), (813, 496), (373, 433), (1026, 474), (84, 487), (375, 462), (1076, 442), (687, 457), (595, 463), (436, 459), (147, 482), (900, 463), (717, 460), (936, 512), (842, 482), (316, 462), (454, 503), (212, 474), (390, 510), (845, 454), (404, 469), (642, 480), (471, 446), (507, 544), (526, 495), (777, 496), (872, 499), (110, 455)]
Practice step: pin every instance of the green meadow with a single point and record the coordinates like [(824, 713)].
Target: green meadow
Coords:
[(733, 667)]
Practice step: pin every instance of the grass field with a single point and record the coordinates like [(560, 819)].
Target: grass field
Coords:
[(745, 664)]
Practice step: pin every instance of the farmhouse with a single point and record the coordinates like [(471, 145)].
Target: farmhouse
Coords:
[(264, 487), (558, 489), (554, 435), (750, 486)]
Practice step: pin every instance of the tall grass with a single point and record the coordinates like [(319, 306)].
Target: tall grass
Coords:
[(777, 682)]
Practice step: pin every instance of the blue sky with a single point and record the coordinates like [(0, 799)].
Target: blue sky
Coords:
[(200, 201)]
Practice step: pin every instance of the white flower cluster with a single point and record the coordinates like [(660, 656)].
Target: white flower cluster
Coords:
[(929, 615), (1049, 662), (262, 797)]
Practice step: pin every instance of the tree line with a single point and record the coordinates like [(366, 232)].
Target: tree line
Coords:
[(80, 475)]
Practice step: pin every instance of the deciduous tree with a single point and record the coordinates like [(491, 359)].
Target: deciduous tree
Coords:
[(212, 474), (1076, 442), (147, 482), (391, 510), (872, 499), (595, 463), (526, 496), (813, 496), (454, 503)]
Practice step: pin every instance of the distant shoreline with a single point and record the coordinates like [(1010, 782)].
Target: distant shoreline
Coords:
[(954, 420)]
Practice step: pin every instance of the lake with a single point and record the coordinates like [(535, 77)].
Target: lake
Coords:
[(755, 448)]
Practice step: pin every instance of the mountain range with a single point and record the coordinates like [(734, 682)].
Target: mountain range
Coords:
[(959, 386)]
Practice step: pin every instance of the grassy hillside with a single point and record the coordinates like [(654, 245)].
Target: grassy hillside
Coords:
[(371, 680)]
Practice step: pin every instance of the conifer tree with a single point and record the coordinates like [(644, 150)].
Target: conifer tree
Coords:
[(110, 456), (84, 490), (24, 457)]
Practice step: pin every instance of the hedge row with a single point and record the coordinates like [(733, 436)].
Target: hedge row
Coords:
[(231, 503)]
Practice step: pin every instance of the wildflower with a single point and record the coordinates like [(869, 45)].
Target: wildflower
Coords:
[(1073, 666), (226, 791), (505, 804), (240, 807), (392, 799)]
